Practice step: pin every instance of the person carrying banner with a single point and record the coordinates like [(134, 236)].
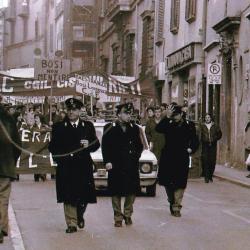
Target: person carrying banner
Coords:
[(10, 144), (71, 143), (121, 149)]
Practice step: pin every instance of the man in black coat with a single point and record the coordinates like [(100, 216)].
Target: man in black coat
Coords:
[(10, 150), (181, 141), (71, 144), (121, 149)]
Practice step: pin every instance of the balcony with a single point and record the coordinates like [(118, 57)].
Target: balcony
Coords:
[(10, 15), (117, 7), (24, 11)]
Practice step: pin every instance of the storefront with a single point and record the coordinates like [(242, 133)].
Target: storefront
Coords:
[(185, 78)]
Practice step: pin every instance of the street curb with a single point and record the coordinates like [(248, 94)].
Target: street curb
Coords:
[(234, 181)]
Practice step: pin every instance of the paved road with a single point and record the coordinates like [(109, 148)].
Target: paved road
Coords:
[(215, 217)]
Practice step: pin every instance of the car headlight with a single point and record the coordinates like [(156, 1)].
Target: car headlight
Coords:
[(146, 168)]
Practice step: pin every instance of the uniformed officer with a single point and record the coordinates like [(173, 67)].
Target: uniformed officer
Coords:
[(121, 149), (71, 144)]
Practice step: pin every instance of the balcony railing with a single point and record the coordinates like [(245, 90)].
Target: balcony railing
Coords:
[(116, 7)]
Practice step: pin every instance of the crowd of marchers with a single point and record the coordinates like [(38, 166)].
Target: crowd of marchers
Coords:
[(171, 136)]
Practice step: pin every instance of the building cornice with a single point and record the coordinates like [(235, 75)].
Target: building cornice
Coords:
[(227, 24), (211, 45)]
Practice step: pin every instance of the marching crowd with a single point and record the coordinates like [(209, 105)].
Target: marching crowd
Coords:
[(171, 136)]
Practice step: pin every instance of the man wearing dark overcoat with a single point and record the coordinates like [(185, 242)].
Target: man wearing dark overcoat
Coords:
[(181, 141), (121, 149), (71, 143), (10, 150)]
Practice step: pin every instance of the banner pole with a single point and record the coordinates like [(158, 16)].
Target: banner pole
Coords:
[(91, 105), (50, 104)]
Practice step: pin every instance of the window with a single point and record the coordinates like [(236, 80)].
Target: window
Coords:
[(190, 10), (175, 16), (115, 59), (25, 29), (130, 46), (161, 10), (12, 32), (79, 32), (36, 29), (145, 63)]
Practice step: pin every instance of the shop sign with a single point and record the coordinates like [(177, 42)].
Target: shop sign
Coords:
[(180, 57)]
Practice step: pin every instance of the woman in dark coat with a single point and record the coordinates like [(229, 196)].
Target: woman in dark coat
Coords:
[(210, 134), (181, 141), (74, 173)]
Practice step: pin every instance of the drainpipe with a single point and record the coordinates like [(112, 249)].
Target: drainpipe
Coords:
[(204, 38)]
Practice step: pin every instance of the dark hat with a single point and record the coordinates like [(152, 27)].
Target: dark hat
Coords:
[(177, 110), (73, 103), (128, 107)]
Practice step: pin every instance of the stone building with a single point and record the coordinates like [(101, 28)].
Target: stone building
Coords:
[(227, 42), (48, 26)]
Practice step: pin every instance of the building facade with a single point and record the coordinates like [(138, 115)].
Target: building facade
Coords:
[(227, 40), (48, 26)]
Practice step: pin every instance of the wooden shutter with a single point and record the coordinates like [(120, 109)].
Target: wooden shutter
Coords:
[(175, 16), (190, 14)]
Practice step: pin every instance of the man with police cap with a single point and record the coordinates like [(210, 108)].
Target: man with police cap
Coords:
[(71, 144), (181, 141), (121, 149)]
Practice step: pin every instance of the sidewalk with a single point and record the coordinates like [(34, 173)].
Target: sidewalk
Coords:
[(233, 175)]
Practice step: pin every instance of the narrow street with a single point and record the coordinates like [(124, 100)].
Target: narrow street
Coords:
[(214, 216)]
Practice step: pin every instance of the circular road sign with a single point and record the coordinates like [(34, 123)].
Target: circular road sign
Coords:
[(214, 69)]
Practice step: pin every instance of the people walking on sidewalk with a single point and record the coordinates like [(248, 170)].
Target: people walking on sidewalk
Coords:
[(181, 141), (156, 140), (121, 149), (210, 134), (9, 153), (71, 144)]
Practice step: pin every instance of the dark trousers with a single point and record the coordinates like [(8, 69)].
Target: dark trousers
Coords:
[(175, 197), (128, 207), (208, 160), (5, 187)]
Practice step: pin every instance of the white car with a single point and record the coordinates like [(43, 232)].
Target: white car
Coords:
[(148, 167)]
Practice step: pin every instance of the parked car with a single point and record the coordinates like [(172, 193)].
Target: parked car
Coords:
[(148, 167)]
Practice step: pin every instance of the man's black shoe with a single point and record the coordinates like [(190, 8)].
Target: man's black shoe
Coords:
[(4, 233), (118, 224), (177, 214), (81, 223), (71, 229), (248, 176), (206, 180), (128, 221), (1, 237), (171, 209)]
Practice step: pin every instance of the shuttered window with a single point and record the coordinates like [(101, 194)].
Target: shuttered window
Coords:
[(161, 10), (115, 60), (190, 10), (145, 44), (130, 47), (175, 16)]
